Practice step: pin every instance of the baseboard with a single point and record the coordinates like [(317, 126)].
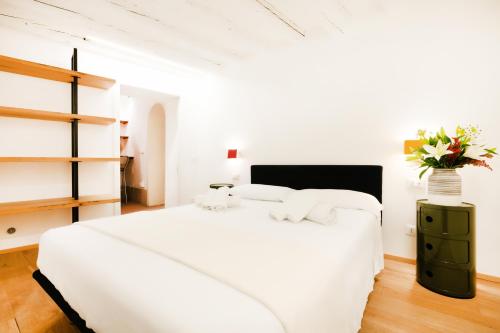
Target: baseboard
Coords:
[(19, 248), (400, 259), (485, 277)]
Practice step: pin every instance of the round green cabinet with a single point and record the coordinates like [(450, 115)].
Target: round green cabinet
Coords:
[(446, 249)]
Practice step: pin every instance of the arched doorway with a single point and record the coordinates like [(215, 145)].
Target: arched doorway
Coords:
[(155, 152)]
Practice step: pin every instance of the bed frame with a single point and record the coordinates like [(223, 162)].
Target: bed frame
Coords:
[(56, 296), (362, 178)]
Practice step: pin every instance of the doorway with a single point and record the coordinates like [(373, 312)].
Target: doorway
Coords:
[(148, 121)]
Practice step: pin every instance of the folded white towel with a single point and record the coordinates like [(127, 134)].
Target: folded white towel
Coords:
[(217, 199), (323, 213), (296, 206)]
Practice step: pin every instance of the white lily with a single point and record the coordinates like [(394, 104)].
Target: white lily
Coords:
[(474, 152), (437, 152)]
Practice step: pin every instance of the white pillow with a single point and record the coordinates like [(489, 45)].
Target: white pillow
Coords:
[(349, 199), (296, 206), (323, 213), (261, 192)]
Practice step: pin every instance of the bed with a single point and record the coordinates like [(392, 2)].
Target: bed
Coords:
[(190, 270)]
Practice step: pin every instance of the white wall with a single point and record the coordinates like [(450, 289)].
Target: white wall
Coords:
[(355, 98)]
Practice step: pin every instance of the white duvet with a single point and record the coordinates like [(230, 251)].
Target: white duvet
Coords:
[(188, 270)]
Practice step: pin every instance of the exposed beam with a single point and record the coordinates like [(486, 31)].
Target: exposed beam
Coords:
[(333, 24), (197, 54), (281, 17)]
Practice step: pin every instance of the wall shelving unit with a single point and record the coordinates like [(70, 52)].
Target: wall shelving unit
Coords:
[(75, 78)]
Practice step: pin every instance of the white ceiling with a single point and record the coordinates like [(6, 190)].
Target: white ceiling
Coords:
[(200, 33)]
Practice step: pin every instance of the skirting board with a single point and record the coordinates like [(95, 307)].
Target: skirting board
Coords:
[(481, 276), (19, 248)]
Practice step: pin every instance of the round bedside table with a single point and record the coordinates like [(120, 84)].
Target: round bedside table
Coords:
[(446, 249)]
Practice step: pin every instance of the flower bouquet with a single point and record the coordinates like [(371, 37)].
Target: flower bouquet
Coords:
[(444, 154)]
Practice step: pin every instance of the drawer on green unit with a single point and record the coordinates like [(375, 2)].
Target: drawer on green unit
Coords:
[(444, 250), (446, 280), (444, 221)]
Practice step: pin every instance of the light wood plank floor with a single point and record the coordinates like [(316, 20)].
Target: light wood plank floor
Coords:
[(398, 303), (24, 306), (132, 207)]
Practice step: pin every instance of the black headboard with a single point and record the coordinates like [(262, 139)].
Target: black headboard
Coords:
[(362, 178)]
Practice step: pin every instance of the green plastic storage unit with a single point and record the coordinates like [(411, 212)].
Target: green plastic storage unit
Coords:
[(446, 248)]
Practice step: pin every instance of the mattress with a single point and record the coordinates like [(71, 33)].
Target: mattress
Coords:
[(190, 270)]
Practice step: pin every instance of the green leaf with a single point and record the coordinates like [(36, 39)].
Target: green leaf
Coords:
[(423, 171), (492, 151), (412, 158)]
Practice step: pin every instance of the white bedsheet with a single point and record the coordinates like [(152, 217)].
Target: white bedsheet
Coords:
[(231, 271)]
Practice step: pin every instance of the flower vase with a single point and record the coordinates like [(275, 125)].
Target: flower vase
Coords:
[(444, 187)]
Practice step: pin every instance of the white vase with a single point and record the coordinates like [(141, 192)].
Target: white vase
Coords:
[(444, 187)]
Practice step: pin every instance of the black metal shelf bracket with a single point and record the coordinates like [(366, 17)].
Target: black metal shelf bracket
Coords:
[(74, 137)]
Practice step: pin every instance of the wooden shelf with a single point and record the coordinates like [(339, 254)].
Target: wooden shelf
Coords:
[(95, 159), (58, 159), (6, 111), (94, 119), (36, 205), (91, 200), (124, 137), (23, 67), (18, 207), (124, 122)]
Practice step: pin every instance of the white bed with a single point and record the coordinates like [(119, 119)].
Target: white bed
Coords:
[(189, 270)]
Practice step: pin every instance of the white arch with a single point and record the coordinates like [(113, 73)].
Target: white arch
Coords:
[(155, 148)]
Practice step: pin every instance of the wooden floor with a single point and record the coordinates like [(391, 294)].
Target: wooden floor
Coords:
[(132, 207), (24, 306), (398, 303)]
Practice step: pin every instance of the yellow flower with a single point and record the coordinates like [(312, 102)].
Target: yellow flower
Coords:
[(460, 131)]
